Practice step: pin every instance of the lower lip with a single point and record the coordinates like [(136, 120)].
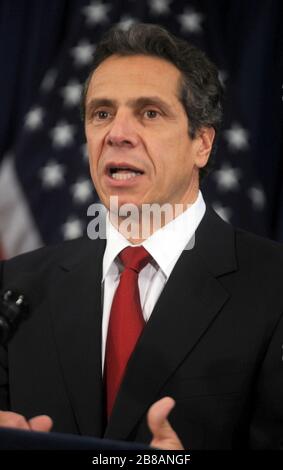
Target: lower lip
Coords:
[(126, 183)]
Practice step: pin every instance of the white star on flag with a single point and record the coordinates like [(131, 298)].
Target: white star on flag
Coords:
[(62, 135), (126, 22), (72, 93), (52, 174), (84, 152), (96, 13), (83, 52), (227, 178), (224, 212), (160, 7), (82, 191), (49, 80), (237, 137), (73, 228), (257, 197), (190, 21), (33, 119), (222, 75)]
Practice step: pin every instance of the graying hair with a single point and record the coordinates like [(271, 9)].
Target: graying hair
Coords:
[(200, 90)]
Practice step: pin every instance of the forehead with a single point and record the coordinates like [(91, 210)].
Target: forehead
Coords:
[(136, 75)]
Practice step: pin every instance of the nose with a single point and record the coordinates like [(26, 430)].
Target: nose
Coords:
[(123, 132)]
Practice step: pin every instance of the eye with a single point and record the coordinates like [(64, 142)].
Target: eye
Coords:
[(151, 113), (101, 115)]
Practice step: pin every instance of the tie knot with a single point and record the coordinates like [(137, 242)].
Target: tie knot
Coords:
[(135, 258)]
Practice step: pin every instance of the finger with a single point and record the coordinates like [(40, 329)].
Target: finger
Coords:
[(8, 419), (41, 423), (163, 435), (157, 418)]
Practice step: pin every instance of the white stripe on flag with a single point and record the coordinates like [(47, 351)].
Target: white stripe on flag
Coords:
[(18, 233)]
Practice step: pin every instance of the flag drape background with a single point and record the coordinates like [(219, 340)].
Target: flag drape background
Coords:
[(45, 53)]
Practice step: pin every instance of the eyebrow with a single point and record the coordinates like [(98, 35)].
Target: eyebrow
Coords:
[(133, 103)]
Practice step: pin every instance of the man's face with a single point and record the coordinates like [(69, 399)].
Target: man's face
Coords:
[(137, 133)]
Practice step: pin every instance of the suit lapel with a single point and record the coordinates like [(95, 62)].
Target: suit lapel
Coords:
[(75, 306), (184, 312)]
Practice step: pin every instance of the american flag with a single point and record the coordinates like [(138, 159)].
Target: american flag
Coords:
[(45, 186)]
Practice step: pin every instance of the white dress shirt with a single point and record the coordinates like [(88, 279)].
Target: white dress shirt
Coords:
[(165, 247)]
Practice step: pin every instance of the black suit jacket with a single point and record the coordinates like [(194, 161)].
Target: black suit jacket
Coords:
[(213, 343)]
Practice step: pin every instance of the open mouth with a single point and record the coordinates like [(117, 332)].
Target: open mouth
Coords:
[(123, 172)]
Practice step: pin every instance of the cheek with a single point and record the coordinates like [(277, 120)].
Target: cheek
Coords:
[(172, 146), (93, 163), (166, 159), (93, 171), (94, 146)]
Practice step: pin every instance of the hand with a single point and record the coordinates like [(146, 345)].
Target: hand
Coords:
[(13, 420), (164, 436)]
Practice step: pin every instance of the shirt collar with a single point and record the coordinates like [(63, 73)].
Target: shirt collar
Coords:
[(115, 243), (165, 245)]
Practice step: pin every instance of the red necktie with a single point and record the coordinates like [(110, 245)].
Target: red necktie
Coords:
[(126, 320)]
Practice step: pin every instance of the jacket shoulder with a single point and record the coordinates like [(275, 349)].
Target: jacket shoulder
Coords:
[(258, 250), (45, 259)]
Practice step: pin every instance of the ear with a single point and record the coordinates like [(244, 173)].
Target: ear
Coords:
[(205, 138)]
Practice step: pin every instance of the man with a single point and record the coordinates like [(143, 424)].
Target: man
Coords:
[(210, 296)]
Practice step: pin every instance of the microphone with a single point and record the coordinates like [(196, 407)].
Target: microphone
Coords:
[(14, 306)]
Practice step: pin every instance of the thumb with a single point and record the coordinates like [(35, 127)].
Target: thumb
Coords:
[(164, 436), (41, 423)]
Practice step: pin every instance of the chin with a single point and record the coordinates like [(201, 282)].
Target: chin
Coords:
[(128, 201)]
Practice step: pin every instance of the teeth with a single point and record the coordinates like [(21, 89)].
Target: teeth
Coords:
[(124, 176)]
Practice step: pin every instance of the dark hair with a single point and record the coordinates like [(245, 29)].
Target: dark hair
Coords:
[(200, 90)]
